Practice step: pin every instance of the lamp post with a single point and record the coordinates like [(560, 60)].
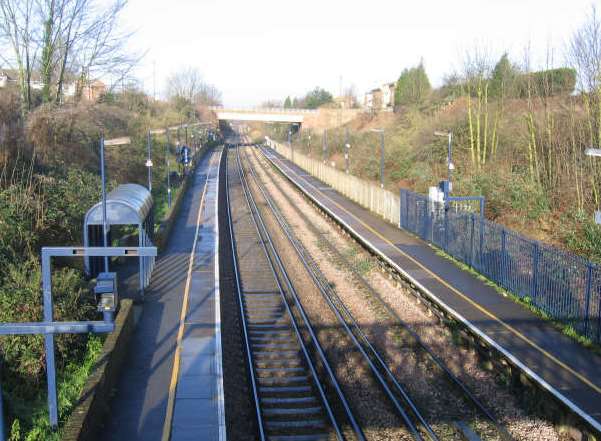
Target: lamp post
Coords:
[(381, 132), (103, 179), (168, 169), (347, 148), (309, 145), (149, 161), (450, 166), (290, 144), (103, 144), (325, 145)]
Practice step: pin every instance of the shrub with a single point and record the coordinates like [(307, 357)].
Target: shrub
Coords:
[(583, 236), (546, 83), (508, 193), (21, 300)]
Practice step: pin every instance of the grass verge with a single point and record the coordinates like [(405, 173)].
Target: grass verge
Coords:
[(34, 425)]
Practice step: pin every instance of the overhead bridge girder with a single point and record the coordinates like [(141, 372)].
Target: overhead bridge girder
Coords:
[(265, 117)]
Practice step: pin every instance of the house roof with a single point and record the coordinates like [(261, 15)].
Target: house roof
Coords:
[(13, 74)]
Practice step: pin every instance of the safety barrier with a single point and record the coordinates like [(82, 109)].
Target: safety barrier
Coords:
[(565, 286), (378, 200)]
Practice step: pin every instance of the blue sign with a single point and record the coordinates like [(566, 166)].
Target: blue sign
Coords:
[(185, 154)]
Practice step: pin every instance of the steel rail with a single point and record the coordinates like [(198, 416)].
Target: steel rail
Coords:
[(504, 434), (355, 333), (266, 240), (236, 271)]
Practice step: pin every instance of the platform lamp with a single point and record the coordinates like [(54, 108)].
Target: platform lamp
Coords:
[(450, 165), (325, 145), (290, 144), (167, 164), (106, 143), (149, 160), (381, 132), (347, 150), (594, 152)]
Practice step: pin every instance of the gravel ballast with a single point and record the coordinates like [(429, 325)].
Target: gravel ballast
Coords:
[(426, 384)]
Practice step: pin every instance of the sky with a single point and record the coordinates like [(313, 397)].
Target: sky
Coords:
[(254, 51)]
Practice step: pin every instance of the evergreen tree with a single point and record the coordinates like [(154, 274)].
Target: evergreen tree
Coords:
[(413, 86), (317, 97), (287, 103), (503, 80)]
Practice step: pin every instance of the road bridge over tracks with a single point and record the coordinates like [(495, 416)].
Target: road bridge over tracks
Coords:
[(322, 118)]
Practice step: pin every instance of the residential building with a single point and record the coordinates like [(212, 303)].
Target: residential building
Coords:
[(381, 98)]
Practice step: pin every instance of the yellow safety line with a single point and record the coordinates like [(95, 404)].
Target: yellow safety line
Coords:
[(463, 296), (182, 318)]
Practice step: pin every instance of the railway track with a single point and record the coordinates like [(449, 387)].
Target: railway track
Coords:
[(292, 382), (413, 418)]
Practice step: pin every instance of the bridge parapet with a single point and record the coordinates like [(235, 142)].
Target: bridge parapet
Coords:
[(261, 110)]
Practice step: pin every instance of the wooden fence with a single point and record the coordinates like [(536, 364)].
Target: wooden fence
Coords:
[(378, 200)]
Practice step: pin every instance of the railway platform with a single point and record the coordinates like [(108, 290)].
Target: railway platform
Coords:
[(171, 385), (570, 372)]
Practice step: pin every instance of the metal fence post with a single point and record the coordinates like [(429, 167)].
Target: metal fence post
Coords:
[(535, 257), (425, 222), (481, 249), (589, 277), (503, 253), (446, 227), (472, 232)]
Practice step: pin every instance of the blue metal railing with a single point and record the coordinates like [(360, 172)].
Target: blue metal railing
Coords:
[(565, 286)]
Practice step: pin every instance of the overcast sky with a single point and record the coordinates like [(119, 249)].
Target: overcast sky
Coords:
[(268, 49)]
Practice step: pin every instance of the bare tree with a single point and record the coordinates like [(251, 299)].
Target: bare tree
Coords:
[(584, 52), (16, 31), (271, 104), (209, 95), (189, 84), (185, 83), (78, 39), (94, 46)]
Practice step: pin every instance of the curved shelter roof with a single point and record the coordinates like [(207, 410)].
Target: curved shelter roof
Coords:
[(127, 204)]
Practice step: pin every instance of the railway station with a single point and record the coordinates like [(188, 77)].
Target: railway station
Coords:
[(346, 221), (292, 301), (255, 331)]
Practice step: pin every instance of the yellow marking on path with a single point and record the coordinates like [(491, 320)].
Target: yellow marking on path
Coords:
[(460, 294), (182, 318)]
